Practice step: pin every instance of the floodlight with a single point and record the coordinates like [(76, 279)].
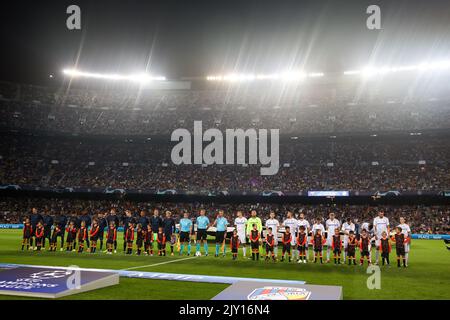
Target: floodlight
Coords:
[(140, 78)]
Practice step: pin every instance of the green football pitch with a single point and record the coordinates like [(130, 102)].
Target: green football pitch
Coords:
[(427, 276)]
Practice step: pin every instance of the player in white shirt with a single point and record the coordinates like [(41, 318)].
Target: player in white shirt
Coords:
[(406, 230), (240, 223), (318, 226), (303, 222), (292, 223), (331, 224), (380, 224), (364, 226), (347, 226), (274, 224)]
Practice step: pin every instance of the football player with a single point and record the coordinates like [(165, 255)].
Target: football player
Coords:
[(240, 224), (292, 223), (270, 243), (347, 226), (406, 230), (273, 224), (331, 224), (400, 240), (380, 224), (287, 240)]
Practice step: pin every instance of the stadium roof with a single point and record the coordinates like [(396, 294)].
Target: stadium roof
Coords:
[(200, 38)]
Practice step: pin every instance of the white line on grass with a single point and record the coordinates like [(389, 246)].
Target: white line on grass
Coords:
[(158, 264)]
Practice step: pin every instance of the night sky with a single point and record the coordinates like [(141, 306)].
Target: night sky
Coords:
[(196, 37)]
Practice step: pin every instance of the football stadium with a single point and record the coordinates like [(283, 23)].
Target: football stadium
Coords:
[(194, 151)]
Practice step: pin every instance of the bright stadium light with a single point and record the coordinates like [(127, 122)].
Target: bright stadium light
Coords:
[(351, 72), (267, 76), (315, 74), (284, 76), (233, 77), (140, 78), (425, 66), (293, 76)]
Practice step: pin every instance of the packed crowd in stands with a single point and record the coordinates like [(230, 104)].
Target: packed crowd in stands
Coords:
[(422, 219), (322, 110), (403, 164), (409, 164)]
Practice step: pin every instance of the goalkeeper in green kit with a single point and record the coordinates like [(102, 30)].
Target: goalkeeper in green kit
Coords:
[(254, 220)]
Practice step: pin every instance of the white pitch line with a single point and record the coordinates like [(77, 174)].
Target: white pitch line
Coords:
[(158, 264)]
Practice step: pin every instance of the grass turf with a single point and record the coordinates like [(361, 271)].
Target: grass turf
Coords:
[(427, 276)]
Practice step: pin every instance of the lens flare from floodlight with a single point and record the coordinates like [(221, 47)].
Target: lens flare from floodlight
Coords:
[(234, 77), (293, 76), (423, 67), (352, 72), (284, 76), (273, 76), (139, 78)]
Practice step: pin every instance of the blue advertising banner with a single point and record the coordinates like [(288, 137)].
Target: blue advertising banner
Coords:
[(431, 236), (11, 226)]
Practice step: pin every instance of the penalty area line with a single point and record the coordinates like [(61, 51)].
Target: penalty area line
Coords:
[(158, 264)]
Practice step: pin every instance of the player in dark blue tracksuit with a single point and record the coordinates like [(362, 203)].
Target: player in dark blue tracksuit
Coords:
[(35, 218), (48, 223), (168, 225), (143, 220), (61, 221), (155, 221), (126, 219), (102, 224), (112, 217), (77, 223), (169, 228)]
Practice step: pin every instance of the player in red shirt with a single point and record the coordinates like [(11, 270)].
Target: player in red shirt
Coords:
[(71, 235), (302, 240), (54, 238), (364, 246), (82, 236), (27, 234), (94, 235), (400, 240), (234, 244), (129, 238), (140, 235), (39, 234), (254, 242), (111, 237), (286, 240), (270, 244), (161, 239), (385, 248), (351, 247), (148, 240), (318, 241), (336, 244)]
